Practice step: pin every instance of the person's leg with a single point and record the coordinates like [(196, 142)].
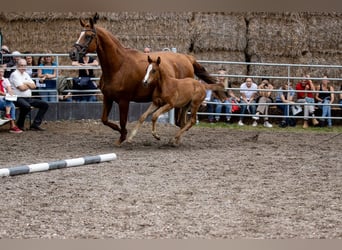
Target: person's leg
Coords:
[(24, 109), (328, 113), (218, 109), (243, 108), (42, 108), (228, 109)]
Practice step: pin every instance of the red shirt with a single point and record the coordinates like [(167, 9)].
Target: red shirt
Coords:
[(302, 95)]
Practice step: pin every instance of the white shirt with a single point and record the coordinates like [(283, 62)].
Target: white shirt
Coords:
[(17, 79), (248, 91)]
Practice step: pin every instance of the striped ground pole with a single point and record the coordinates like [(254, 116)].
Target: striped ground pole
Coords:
[(27, 169)]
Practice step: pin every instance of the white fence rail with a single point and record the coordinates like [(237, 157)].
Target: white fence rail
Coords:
[(287, 77)]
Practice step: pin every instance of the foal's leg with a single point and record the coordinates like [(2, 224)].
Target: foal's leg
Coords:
[(187, 126), (142, 118), (155, 116)]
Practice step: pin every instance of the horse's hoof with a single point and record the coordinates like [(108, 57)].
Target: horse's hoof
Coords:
[(117, 143)]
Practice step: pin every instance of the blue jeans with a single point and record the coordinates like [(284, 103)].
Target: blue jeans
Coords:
[(49, 96), (326, 110), (243, 108), (4, 103), (286, 110), (218, 109)]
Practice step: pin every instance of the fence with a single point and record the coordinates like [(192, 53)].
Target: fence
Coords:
[(60, 67)]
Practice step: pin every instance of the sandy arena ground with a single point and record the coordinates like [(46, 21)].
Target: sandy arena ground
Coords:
[(219, 183)]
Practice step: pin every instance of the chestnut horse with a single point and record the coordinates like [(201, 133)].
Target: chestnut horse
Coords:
[(123, 70), (170, 93)]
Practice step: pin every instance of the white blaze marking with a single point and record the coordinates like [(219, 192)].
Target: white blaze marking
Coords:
[(148, 73), (79, 39)]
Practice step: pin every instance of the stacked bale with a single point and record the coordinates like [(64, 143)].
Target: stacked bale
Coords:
[(303, 38), (158, 30), (220, 37)]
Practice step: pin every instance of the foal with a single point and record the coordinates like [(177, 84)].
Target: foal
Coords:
[(172, 93)]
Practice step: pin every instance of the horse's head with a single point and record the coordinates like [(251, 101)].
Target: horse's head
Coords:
[(86, 42), (152, 71)]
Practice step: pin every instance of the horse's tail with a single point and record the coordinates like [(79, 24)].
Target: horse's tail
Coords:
[(215, 86), (201, 72)]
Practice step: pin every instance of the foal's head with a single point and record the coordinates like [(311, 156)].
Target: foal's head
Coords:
[(152, 71)]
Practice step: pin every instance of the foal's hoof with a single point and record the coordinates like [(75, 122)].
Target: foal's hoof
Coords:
[(174, 142), (156, 136)]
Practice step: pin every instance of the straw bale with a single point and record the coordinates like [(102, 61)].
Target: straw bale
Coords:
[(218, 31), (161, 30), (277, 34), (324, 32)]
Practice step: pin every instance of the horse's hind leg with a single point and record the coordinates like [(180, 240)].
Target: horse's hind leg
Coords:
[(142, 118)]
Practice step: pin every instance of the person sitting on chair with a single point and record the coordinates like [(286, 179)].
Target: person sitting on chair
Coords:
[(22, 84)]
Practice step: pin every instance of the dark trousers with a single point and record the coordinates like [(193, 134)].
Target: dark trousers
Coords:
[(24, 104)]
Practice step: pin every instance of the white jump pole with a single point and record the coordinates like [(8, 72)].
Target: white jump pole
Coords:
[(27, 169)]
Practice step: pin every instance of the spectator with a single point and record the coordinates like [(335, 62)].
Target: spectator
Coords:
[(33, 73), (8, 61), (264, 97), (325, 96), (307, 98), (16, 57), (286, 94), (222, 98), (47, 79), (147, 50), (87, 61), (8, 106), (22, 84), (248, 91)]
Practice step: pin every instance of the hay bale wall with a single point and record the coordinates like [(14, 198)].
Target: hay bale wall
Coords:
[(247, 36)]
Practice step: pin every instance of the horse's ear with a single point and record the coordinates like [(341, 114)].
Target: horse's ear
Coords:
[(82, 22), (149, 59), (96, 17), (91, 22), (158, 60)]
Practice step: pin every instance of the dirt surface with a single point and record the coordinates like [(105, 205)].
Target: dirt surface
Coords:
[(219, 183)]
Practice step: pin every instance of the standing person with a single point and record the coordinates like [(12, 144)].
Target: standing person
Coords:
[(86, 61), (325, 96), (47, 78), (8, 106), (286, 94), (248, 91), (22, 84), (33, 73), (307, 98), (264, 97), (222, 98)]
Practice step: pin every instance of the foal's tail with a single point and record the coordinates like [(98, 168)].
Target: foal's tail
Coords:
[(215, 86), (201, 72)]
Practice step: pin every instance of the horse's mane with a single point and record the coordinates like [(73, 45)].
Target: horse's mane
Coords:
[(113, 38)]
